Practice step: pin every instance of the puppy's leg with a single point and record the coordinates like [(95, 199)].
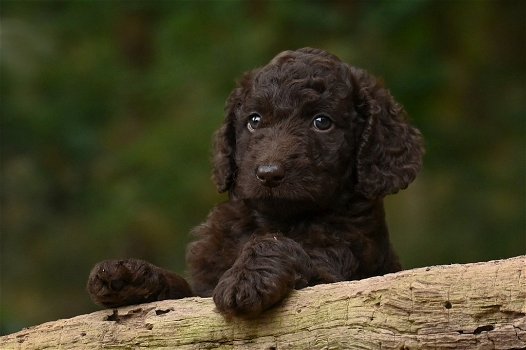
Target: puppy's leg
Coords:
[(114, 283), (267, 269)]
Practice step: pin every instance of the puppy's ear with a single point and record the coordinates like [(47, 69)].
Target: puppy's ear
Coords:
[(224, 164), (389, 150), (223, 158)]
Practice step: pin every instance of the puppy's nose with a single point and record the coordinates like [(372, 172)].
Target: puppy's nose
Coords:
[(270, 174)]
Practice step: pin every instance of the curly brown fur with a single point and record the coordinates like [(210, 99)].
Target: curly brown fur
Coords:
[(308, 149)]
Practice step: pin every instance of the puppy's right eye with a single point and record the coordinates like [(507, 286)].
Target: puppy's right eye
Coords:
[(253, 122), (322, 123)]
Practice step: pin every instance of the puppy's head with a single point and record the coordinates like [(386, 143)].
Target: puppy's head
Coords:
[(306, 130)]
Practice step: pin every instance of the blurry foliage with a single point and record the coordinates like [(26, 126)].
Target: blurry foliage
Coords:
[(108, 110)]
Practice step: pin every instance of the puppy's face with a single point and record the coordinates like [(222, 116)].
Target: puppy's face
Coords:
[(292, 128), (305, 131)]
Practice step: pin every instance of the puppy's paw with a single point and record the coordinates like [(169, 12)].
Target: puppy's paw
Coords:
[(114, 283), (265, 273), (244, 293)]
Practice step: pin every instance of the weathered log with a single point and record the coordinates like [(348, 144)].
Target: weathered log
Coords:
[(471, 306)]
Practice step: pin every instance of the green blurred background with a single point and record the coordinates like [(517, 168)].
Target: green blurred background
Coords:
[(108, 108)]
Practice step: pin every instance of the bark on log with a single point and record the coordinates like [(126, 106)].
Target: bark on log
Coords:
[(471, 306)]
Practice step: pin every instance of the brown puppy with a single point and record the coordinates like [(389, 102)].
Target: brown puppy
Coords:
[(308, 149)]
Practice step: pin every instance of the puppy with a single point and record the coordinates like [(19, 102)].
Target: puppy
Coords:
[(308, 149)]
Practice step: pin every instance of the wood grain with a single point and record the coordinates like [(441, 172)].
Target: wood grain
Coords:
[(470, 306)]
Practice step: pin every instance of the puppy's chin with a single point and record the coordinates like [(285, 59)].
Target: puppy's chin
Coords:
[(285, 209), (285, 203), (289, 199)]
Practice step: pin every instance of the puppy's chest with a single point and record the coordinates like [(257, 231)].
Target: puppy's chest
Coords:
[(320, 235), (338, 249)]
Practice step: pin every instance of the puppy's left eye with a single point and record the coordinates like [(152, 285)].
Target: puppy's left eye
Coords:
[(253, 122), (322, 123)]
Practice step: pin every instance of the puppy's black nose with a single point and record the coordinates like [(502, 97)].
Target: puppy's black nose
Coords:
[(270, 174)]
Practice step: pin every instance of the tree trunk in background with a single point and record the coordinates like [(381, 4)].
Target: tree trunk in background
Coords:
[(471, 306)]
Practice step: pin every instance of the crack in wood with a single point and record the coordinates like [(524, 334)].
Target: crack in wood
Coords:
[(366, 314)]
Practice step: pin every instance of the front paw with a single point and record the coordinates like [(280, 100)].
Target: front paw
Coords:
[(266, 271), (244, 293), (114, 283)]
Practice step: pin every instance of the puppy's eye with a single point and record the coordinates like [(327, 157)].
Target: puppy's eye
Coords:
[(322, 123), (253, 122)]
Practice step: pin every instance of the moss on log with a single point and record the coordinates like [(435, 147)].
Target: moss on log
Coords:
[(470, 306)]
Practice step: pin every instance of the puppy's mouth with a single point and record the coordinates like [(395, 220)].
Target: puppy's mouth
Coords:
[(285, 191), (286, 198)]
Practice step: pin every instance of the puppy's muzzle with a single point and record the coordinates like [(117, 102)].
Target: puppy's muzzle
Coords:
[(270, 174)]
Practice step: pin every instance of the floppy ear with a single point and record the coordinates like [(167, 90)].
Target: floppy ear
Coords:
[(224, 165), (389, 150), (224, 162)]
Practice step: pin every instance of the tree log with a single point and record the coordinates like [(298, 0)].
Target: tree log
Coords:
[(470, 306)]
